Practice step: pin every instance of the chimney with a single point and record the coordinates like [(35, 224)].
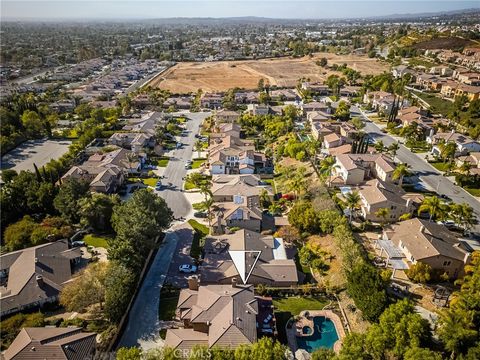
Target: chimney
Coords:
[(193, 282), (39, 279), (234, 282)]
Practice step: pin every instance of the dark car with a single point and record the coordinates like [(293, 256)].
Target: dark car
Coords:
[(200, 214)]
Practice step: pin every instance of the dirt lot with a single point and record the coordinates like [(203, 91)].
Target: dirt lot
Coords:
[(188, 77)]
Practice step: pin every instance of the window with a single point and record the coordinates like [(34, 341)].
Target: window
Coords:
[(447, 263)]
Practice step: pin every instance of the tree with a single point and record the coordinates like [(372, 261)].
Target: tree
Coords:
[(264, 199), (11, 326), (343, 111), (393, 148), (401, 171), (323, 354), (289, 234), (261, 84), (434, 206), (383, 213), (66, 201), (420, 272), (198, 147), (358, 123), (119, 287), (264, 98), (138, 222), (416, 353), (17, 235), (32, 123), (303, 216), (85, 290), (327, 166), (196, 179), (352, 201), (367, 289), (132, 353), (379, 146), (463, 215), (447, 150), (266, 348), (96, 210), (353, 347)]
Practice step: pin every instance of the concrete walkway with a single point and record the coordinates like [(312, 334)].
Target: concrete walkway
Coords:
[(143, 325)]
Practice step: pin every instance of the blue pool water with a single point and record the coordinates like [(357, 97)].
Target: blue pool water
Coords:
[(324, 335)]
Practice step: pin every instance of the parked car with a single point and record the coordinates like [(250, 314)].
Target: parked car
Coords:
[(187, 268), (200, 214), (78, 243), (188, 165)]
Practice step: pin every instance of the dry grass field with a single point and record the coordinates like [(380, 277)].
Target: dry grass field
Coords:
[(188, 77)]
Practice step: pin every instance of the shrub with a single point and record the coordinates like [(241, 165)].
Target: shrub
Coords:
[(420, 272)]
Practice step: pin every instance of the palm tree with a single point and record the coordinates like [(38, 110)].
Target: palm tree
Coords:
[(264, 198), (275, 209), (352, 201), (392, 149), (379, 146), (327, 166), (434, 206), (462, 214), (198, 147), (298, 184), (383, 213), (465, 168), (400, 172), (208, 203)]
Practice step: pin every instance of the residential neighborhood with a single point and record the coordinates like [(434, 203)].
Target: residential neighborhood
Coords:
[(242, 187)]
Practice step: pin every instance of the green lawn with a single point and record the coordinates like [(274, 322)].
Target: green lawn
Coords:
[(150, 181), (198, 237), (295, 305), (198, 206), (437, 105), (95, 241), (439, 165), (197, 163), (163, 161), (473, 191), (166, 308)]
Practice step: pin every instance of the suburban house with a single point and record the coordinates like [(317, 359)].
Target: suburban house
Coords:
[(31, 277), (376, 194), (243, 212), (137, 142), (464, 143), (225, 187), (183, 102), (227, 116), (211, 101), (316, 88), (267, 261), (355, 168), (226, 129), (284, 95), (315, 116), (473, 159), (106, 172), (258, 109), (214, 315), (65, 343), (430, 243), (232, 155), (250, 97), (315, 106)]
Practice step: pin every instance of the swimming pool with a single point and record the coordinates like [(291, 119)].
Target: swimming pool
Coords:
[(324, 335)]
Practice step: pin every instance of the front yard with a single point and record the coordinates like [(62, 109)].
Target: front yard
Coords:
[(198, 238), (196, 163), (163, 161), (439, 165)]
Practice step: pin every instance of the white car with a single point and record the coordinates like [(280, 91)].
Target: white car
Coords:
[(186, 268)]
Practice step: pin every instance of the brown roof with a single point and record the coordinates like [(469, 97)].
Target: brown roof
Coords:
[(425, 239), (49, 263), (52, 343), (229, 312)]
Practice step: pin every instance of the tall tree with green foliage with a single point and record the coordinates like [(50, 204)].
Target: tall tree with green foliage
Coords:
[(96, 210), (66, 201)]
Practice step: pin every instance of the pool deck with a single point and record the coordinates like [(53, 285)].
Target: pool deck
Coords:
[(297, 329)]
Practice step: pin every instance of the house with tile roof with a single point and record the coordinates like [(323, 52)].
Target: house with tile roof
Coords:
[(376, 194), (215, 315), (68, 343), (274, 265), (31, 277), (353, 169), (430, 243), (465, 144)]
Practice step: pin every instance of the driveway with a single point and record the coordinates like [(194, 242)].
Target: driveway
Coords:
[(142, 325), (427, 174), (175, 170), (181, 256)]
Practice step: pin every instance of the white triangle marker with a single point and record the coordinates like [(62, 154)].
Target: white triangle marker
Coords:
[(239, 260)]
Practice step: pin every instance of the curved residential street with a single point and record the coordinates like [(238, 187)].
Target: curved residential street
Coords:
[(427, 174), (142, 326)]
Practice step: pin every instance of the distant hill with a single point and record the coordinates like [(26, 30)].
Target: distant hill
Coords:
[(448, 43)]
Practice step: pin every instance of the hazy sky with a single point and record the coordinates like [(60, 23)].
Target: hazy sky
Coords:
[(123, 9)]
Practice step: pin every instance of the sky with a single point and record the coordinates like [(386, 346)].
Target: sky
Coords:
[(282, 9)]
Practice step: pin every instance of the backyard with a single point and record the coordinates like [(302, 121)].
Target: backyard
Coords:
[(285, 308), (96, 240)]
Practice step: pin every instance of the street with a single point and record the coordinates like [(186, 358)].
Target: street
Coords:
[(427, 174), (175, 170)]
